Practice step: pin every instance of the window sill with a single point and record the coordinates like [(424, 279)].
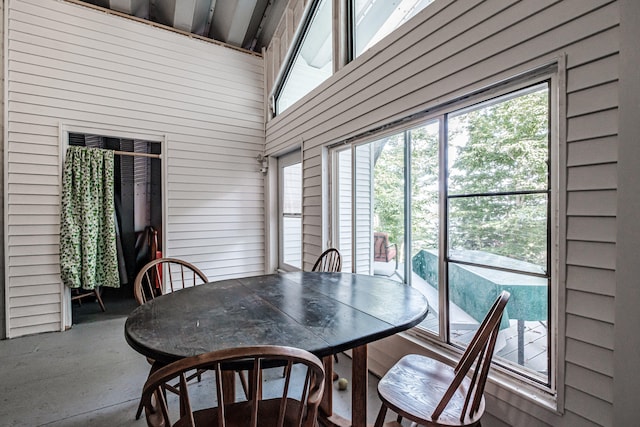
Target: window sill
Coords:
[(526, 396)]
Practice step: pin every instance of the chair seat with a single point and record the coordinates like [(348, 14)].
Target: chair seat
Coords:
[(237, 415), (414, 386)]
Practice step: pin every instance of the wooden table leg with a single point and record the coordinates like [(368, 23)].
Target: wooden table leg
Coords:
[(229, 386), (359, 372), (326, 405), (359, 376)]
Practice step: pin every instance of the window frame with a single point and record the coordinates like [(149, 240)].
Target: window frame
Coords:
[(299, 37), (351, 30), (283, 161), (550, 74)]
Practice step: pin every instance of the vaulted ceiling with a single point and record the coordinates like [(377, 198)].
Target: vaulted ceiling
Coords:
[(248, 24)]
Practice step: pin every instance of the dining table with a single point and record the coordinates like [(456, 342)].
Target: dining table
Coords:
[(323, 313)]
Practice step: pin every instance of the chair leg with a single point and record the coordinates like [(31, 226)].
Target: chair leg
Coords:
[(139, 411), (154, 367), (99, 298), (381, 415)]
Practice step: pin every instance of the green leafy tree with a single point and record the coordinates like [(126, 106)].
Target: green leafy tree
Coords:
[(500, 147), (388, 178), (389, 187)]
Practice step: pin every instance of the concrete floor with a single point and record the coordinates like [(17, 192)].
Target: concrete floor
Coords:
[(90, 376)]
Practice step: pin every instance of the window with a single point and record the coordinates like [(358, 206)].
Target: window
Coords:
[(312, 61), (312, 57), (374, 19), (465, 197), (290, 211)]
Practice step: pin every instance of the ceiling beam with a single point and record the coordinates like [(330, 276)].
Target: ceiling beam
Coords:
[(231, 21), (186, 15), (139, 8)]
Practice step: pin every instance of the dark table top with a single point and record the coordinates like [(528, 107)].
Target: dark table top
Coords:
[(323, 313)]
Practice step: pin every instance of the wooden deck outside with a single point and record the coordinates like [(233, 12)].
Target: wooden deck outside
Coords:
[(464, 326)]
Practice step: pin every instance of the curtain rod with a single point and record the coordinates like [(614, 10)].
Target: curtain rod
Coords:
[(130, 153)]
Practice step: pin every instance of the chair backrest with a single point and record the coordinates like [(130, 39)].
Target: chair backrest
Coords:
[(295, 404), (380, 245), (179, 274), (383, 250), (478, 354), (329, 262)]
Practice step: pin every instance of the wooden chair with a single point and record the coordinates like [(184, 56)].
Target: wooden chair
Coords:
[(77, 295), (180, 274), (297, 405), (431, 393), (149, 285), (383, 251), (330, 261)]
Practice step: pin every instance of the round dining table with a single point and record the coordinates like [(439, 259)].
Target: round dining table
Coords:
[(324, 313)]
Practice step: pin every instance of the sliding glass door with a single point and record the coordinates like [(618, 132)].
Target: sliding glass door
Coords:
[(459, 207)]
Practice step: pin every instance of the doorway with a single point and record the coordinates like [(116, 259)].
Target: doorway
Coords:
[(139, 219)]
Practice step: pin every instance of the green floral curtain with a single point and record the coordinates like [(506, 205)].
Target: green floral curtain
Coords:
[(88, 256)]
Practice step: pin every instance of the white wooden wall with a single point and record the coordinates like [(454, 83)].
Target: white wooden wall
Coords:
[(3, 316), (452, 48), (74, 65)]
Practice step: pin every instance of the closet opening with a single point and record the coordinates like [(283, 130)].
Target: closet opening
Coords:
[(138, 206)]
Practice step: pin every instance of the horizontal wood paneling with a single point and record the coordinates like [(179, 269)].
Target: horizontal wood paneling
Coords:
[(591, 254), (595, 229), (599, 384), (453, 48), (596, 177), (592, 151), (583, 354), (584, 379), (595, 410), (590, 331), (591, 203), (592, 306), (603, 123), (595, 98), (73, 64), (53, 289), (593, 280), (591, 74)]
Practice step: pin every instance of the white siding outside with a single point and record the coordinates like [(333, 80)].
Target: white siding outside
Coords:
[(74, 66), (451, 49), (343, 187), (364, 208)]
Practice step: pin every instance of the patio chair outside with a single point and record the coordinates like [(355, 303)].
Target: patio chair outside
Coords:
[(383, 251)]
